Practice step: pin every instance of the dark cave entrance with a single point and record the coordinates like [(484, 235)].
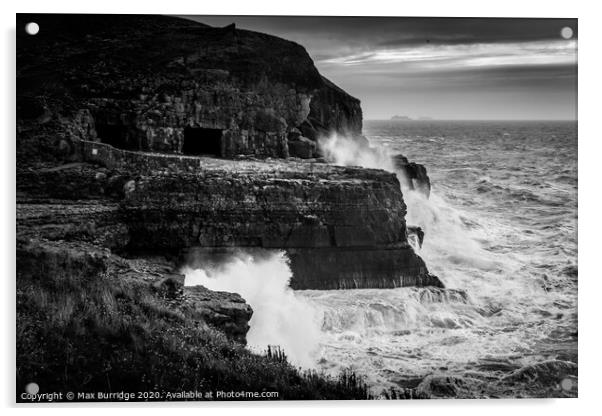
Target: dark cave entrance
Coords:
[(202, 141), (119, 136)]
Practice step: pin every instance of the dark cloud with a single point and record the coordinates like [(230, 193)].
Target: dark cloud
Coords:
[(473, 30), (394, 31)]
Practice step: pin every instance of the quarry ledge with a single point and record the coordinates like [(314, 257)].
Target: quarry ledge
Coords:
[(350, 218), (162, 163)]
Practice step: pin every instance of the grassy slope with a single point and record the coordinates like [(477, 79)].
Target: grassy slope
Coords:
[(83, 328)]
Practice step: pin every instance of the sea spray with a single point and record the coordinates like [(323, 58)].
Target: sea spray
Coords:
[(344, 151), (508, 259), (280, 317), (447, 234)]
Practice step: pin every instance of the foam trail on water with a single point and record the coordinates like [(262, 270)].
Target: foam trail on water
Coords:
[(280, 318)]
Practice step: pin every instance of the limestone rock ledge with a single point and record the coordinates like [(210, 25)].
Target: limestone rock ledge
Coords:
[(342, 227)]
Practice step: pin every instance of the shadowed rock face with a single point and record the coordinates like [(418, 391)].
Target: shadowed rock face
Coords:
[(164, 84), (333, 110), (356, 268)]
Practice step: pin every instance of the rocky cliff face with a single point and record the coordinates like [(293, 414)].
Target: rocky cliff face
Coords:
[(343, 227), (163, 84), (113, 113), (333, 110)]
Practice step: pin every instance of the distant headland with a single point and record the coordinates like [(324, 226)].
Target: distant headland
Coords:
[(407, 118)]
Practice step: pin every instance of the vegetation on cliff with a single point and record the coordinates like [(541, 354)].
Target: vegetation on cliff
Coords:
[(94, 322)]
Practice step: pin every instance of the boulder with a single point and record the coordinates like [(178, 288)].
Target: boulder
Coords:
[(223, 310), (413, 176), (129, 187)]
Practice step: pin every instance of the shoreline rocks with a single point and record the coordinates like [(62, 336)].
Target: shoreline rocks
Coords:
[(414, 175)]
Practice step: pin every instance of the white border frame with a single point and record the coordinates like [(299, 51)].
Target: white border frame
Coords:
[(590, 150)]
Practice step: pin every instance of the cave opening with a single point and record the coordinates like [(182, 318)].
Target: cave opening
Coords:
[(202, 141), (117, 135)]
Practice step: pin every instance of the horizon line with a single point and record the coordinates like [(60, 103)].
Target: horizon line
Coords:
[(473, 119)]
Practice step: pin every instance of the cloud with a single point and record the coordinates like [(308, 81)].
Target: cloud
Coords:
[(460, 56)]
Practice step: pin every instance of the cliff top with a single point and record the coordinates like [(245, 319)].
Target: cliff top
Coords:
[(107, 50)]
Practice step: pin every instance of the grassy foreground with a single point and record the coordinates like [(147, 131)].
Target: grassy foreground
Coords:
[(81, 331)]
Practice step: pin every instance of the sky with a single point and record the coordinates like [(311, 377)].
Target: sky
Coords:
[(443, 68)]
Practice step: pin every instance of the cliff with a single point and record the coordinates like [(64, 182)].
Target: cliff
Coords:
[(143, 138), (162, 84), (121, 96), (333, 110), (352, 219)]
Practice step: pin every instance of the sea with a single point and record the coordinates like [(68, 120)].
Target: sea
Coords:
[(500, 232)]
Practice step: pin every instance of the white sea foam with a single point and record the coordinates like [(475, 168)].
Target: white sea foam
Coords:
[(280, 317), (343, 151), (417, 331)]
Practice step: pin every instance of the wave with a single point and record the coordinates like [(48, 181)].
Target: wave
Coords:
[(280, 317), (367, 311)]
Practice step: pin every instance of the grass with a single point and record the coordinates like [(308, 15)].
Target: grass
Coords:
[(85, 332)]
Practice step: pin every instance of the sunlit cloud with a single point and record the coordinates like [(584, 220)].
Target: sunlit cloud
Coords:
[(447, 57)]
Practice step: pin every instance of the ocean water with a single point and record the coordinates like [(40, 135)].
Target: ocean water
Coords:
[(500, 232), (501, 228)]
